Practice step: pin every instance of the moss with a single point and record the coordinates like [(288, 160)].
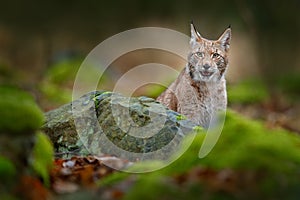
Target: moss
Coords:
[(181, 117), (18, 112), (245, 146), (7, 169), (59, 79), (55, 93), (248, 91), (163, 190), (153, 90), (63, 72), (42, 157)]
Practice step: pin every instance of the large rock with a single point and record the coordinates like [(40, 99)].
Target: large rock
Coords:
[(106, 122)]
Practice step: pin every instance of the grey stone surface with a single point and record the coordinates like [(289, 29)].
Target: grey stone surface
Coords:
[(109, 123)]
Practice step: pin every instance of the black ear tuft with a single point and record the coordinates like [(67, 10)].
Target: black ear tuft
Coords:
[(224, 39), (193, 25), (195, 35)]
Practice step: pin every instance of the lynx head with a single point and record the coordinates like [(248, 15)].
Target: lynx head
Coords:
[(208, 59)]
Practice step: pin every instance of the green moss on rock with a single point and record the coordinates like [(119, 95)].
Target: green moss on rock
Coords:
[(181, 117), (18, 112)]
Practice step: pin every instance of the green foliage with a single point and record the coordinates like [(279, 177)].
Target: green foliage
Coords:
[(58, 82), (153, 90), (42, 157), (7, 169), (63, 72), (56, 94), (18, 112), (248, 91)]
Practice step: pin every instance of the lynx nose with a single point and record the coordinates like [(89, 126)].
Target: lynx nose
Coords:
[(206, 66)]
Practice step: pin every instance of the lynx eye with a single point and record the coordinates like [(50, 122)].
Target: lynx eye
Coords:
[(216, 55), (200, 54)]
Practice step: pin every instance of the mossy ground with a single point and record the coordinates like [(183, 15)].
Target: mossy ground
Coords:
[(245, 147)]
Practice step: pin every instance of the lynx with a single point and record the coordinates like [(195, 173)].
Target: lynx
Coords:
[(199, 92)]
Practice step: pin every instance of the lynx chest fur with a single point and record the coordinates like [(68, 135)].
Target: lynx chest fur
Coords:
[(199, 92)]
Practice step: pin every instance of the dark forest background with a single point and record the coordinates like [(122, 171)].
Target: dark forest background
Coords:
[(35, 33)]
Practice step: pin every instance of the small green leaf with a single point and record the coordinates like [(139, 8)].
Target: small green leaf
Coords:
[(181, 117)]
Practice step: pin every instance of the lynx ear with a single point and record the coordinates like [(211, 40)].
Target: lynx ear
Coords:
[(195, 36), (224, 39)]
